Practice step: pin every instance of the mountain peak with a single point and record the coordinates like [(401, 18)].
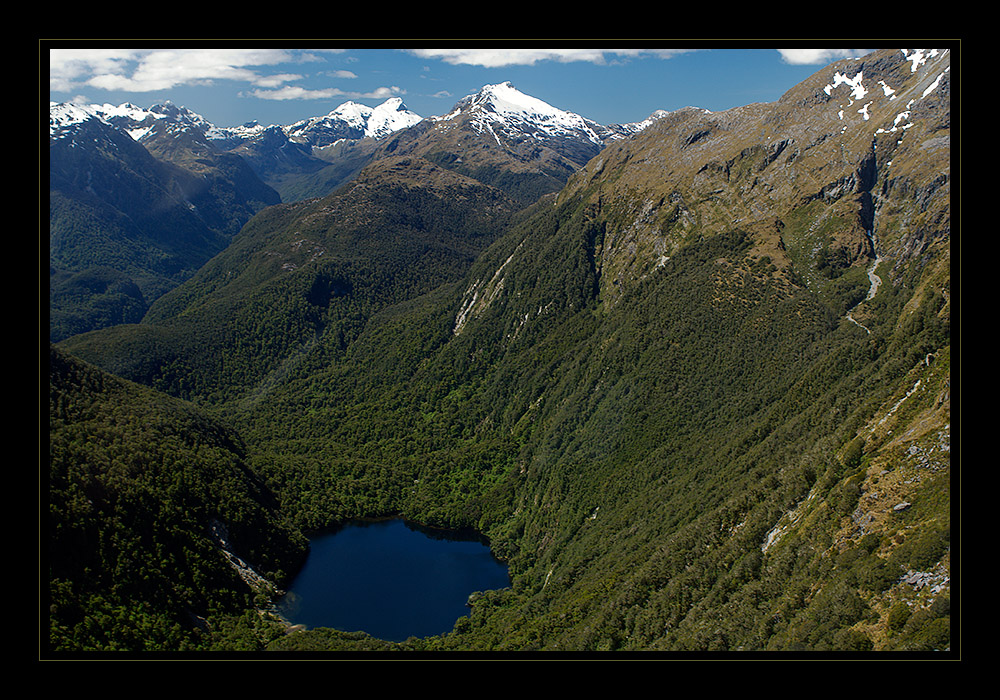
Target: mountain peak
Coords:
[(392, 115), (64, 115), (353, 120), (392, 103), (505, 111), (350, 110), (506, 91), (504, 98)]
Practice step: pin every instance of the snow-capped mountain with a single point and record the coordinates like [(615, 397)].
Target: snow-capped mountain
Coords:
[(507, 113), (352, 120), (513, 130), (498, 110), (515, 141), (65, 118), (135, 121)]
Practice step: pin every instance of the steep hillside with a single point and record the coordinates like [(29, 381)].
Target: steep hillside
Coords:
[(848, 165), (699, 399), (127, 222), (158, 535), (304, 278), (665, 408)]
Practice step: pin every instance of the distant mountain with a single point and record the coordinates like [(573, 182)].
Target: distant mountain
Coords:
[(129, 219), (511, 140), (314, 156), (353, 121), (213, 180), (697, 396), (512, 117), (276, 153)]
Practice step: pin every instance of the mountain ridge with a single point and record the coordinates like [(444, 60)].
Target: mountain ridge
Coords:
[(126, 224), (349, 118), (310, 145), (644, 388), (309, 158)]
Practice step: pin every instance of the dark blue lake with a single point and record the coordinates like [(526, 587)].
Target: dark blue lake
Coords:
[(391, 579)]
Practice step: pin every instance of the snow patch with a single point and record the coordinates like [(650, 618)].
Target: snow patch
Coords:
[(933, 85), (370, 122), (858, 90), (918, 57)]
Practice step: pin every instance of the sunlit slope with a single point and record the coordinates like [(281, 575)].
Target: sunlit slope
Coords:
[(699, 400), (304, 276), (646, 391)]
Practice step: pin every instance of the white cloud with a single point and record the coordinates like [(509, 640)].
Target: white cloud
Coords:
[(800, 57), (292, 92), (149, 70), (500, 57), (69, 68), (272, 81)]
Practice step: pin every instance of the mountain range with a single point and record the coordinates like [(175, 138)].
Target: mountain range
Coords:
[(521, 121), (691, 378), (213, 179)]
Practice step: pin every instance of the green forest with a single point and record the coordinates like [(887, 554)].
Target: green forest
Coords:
[(670, 395), (720, 400)]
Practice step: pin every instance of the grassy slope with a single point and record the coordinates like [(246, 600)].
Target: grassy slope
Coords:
[(630, 431)]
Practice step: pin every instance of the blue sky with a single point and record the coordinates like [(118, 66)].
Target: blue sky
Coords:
[(280, 83)]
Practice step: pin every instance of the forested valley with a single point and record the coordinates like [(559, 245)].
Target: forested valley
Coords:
[(668, 392)]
